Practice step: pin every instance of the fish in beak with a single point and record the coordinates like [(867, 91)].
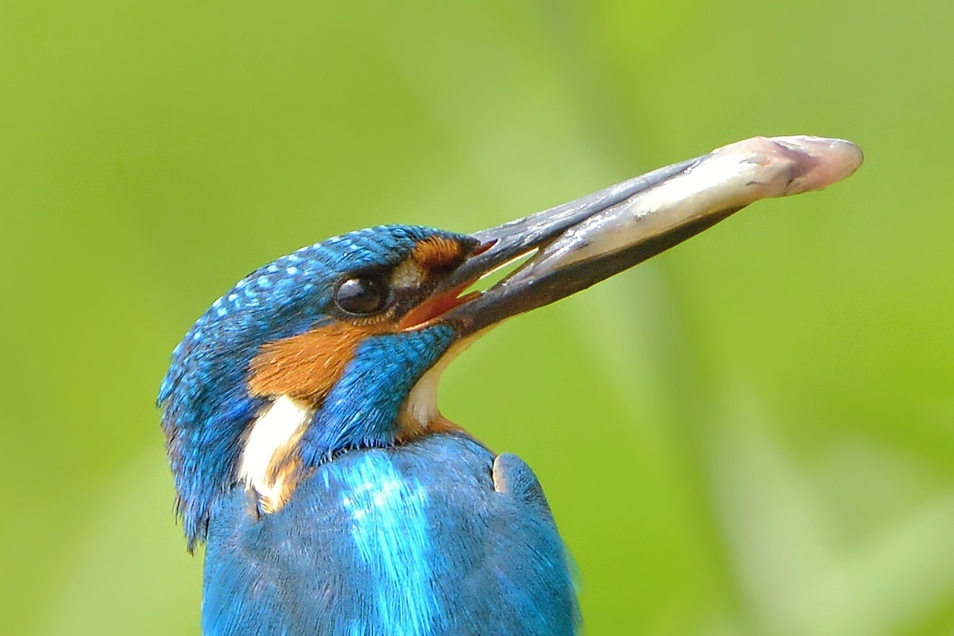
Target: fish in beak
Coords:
[(575, 245)]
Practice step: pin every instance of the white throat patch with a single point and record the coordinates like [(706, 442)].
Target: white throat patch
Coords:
[(268, 446), (421, 405)]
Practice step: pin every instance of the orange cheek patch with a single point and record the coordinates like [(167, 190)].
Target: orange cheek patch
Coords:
[(308, 365)]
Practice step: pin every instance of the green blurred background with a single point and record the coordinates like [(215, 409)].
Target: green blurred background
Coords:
[(752, 434)]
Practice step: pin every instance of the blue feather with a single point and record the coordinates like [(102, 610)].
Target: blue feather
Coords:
[(437, 551), (379, 377), (205, 401), (390, 536), (431, 536)]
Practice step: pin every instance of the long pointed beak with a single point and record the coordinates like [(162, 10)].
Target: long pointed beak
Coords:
[(580, 243)]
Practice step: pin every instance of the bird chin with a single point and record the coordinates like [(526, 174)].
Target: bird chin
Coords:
[(421, 412)]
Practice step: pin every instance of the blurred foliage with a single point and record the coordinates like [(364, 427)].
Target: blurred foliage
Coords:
[(751, 434)]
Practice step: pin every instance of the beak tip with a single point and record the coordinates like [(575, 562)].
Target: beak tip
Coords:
[(827, 161), (582, 242)]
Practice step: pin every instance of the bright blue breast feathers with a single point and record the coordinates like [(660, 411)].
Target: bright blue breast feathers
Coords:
[(413, 539), (389, 530)]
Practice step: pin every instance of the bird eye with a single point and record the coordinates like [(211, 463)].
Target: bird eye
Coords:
[(362, 295)]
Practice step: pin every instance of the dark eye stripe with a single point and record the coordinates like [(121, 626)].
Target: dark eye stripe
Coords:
[(362, 295)]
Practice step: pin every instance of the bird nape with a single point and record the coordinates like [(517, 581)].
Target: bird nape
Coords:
[(301, 418)]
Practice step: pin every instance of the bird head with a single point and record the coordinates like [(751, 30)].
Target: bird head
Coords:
[(340, 345)]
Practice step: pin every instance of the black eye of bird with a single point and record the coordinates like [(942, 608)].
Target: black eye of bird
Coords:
[(361, 295)]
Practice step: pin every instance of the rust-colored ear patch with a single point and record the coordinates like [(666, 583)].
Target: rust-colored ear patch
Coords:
[(306, 366), (438, 253)]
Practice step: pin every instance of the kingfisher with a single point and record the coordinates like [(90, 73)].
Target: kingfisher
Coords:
[(302, 427)]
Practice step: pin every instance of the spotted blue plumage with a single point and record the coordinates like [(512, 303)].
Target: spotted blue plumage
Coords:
[(204, 394), (430, 536)]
